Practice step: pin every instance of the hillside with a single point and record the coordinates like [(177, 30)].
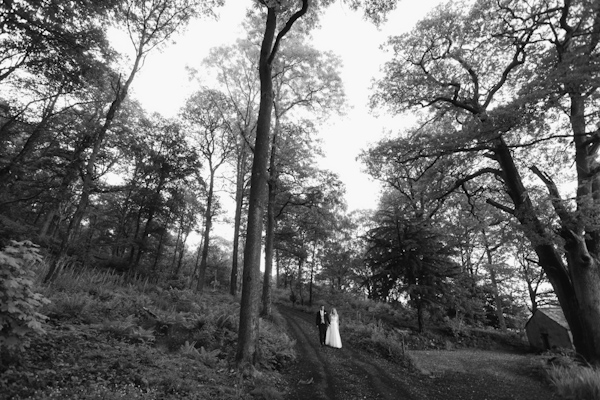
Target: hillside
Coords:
[(107, 339)]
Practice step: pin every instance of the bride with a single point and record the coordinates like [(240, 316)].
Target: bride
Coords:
[(332, 337)]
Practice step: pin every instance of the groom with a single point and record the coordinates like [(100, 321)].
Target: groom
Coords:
[(322, 322)]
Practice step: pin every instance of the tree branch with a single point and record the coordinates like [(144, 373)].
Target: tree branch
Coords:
[(462, 181), (500, 206), (286, 29), (555, 197)]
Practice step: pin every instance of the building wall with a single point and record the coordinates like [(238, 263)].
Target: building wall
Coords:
[(544, 333)]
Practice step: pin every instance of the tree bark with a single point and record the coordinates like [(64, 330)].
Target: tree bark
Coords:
[(300, 264), (239, 203), (278, 270), (496, 292), (158, 251), (181, 253), (207, 228), (179, 232), (312, 273), (270, 231), (196, 264)]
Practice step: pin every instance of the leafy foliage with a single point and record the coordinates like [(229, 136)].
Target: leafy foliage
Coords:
[(19, 317)]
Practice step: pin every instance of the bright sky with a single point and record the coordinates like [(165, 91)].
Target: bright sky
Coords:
[(162, 85)]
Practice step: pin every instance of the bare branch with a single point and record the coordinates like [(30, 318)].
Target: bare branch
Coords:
[(555, 197), (499, 206), (462, 181)]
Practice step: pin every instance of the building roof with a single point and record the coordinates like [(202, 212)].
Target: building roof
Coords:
[(555, 314)]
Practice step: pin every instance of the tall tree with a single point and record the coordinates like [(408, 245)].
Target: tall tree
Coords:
[(208, 114), (520, 79), (236, 72), (289, 13)]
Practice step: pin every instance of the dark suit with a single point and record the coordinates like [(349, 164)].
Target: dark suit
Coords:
[(322, 323)]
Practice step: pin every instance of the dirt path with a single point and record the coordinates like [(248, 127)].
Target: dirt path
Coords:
[(325, 373), (336, 374)]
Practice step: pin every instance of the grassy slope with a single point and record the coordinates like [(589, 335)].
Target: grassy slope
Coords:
[(110, 340), (107, 340)]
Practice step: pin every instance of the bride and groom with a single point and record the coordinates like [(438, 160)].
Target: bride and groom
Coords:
[(329, 328)]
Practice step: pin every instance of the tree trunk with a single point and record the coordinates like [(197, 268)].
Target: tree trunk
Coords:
[(134, 237), (248, 327), (239, 203), (300, 264), (89, 241), (497, 300), (196, 264), (310, 287), (583, 244), (277, 269), (179, 232), (249, 321), (586, 282), (549, 258), (158, 251), (496, 292), (47, 223), (181, 253), (312, 272), (270, 231), (207, 228)]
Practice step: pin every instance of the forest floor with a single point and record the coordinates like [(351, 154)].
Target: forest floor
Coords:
[(106, 346), (79, 362), (352, 373)]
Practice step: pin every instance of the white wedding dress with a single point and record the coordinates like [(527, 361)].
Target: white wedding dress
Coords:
[(332, 337)]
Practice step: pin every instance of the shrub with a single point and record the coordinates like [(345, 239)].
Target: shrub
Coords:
[(580, 383), (19, 317), (276, 347), (69, 306), (208, 358), (129, 329), (456, 326)]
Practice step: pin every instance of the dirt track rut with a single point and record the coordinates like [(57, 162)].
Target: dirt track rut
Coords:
[(325, 373)]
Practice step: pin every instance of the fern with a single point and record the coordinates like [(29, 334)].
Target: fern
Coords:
[(208, 358), (19, 317)]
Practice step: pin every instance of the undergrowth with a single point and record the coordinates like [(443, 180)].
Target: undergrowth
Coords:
[(20, 318), (576, 382), (112, 338)]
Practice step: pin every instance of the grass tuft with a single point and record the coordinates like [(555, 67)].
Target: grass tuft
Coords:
[(576, 382)]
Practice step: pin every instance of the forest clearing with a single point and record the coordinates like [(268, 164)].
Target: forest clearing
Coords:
[(156, 255)]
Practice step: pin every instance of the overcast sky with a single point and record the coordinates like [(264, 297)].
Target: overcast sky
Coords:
[(163, 84)]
